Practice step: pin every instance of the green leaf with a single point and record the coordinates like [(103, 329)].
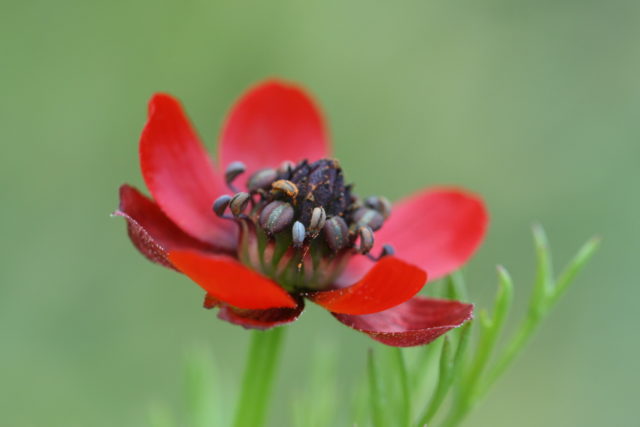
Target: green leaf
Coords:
[(377, 414), (579, 261)]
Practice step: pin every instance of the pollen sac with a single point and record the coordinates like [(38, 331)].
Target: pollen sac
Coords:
[(276, 216), (365, 239), (387, 250), (285, 168), (262, 180), (379, 204), (298, 234), (317, 221), (233, 170), (221, 204), (336, 233), (238, 203), (368, 217), (284, 186)]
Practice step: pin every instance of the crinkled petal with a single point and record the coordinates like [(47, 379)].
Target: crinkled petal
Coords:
[(255, 319), (418, 321), (271, 123), (150, 230), (390, 282), (438, 230), (180, 174), (231, 282)]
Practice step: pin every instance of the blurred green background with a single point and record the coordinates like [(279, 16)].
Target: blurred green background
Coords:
[(533, 104)]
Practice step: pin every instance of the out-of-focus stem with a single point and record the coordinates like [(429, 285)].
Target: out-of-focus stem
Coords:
[(262, 363)]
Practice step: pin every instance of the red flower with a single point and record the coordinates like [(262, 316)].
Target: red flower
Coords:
[(296, 230)]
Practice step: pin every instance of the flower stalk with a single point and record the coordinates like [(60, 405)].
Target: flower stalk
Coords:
[(260, 370)]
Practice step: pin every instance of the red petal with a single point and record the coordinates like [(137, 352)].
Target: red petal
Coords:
[(256, 319), (231, 282), (271, 123), (180, 175), (418, 321), (438, 230), (389, 283), (149, 228)]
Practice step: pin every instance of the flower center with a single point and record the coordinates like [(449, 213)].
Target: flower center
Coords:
[(300, 223)]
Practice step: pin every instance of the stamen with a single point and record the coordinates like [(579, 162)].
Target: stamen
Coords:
[(285, 186), (317, 221), (298, 234), (233, 171), (261, 180), (368, 217), (221, 204), (365, 240), (238, 203), (336, 233), (387, 250), (276, 216), (380, 204)]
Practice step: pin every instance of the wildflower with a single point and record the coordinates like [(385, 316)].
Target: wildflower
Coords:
[(274, 222)]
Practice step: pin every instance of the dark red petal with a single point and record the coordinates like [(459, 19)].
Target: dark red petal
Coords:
[(438, 230), (149, 228), (418, 321), (180, 175), (389, 283), (255, 319), (271, 123), (231, 282)]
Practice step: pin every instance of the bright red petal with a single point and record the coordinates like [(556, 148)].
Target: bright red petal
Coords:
[(150, 230), (438, 230), (180, 175), (231, 282), (256, 319), (416, 322), (271, 123), (390, 282)]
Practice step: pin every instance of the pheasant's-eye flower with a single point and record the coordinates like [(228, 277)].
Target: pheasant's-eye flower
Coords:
[(273, 222)]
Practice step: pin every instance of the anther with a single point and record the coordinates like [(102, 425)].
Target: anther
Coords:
[(387, 250), (276, 216), (233, 170), (261, 180), (370, 217), (336, 233), (286, 187), (221, 204), (238, 203), (286, 167), (317, 221), (380, 204), (365, 240), (298, 234)]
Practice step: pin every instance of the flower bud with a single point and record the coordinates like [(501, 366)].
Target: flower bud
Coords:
[(239, 203), (365, 239), (369, 217), (286, 187), (380, 204), (298, 234), (220, 205), (336, 233), (317, 221), (262, 179), (276, 216), (233, 170)]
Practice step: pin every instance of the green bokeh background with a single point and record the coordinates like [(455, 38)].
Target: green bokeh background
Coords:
[(533, 104)]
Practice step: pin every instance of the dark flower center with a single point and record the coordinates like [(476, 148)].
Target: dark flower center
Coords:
[(305, 215)]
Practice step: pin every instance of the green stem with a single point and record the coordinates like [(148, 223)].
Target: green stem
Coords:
[(401, 368), (260, 369)]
